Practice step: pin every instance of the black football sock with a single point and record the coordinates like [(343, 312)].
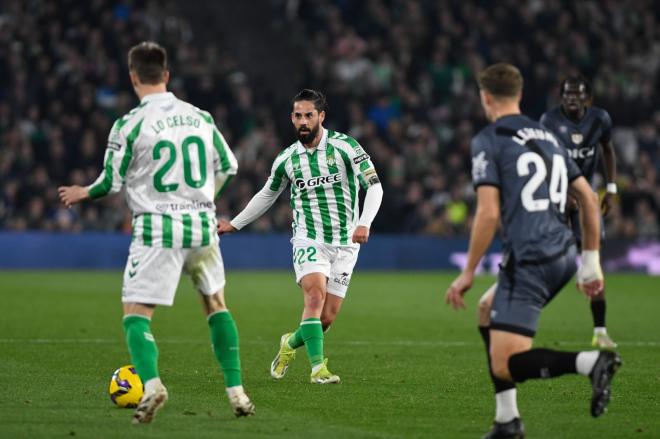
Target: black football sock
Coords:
[(541, 363), (500, 385), (598, 312)]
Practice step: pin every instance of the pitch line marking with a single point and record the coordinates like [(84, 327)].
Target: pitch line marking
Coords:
[(394, 343)]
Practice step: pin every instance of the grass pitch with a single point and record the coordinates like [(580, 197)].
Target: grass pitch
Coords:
[(410, 366)]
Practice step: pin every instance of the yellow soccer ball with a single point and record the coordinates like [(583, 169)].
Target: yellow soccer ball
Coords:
[(126, 388)]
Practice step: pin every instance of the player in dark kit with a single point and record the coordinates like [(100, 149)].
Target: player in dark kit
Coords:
[(522, 175), (583, 130)]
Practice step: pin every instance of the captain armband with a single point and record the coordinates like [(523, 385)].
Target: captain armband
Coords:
[(371, 177)]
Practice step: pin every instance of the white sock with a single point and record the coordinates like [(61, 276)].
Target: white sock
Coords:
[(506, 406), (234, 390), (151, 385), (585, 361), (317, 368), (600, 330)]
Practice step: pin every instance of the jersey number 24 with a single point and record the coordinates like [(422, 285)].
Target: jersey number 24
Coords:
[(557, 187)]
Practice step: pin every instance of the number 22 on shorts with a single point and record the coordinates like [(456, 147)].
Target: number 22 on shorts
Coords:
[(302, 255)]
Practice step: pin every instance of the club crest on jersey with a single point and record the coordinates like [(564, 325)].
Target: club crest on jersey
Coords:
[(320, 181), (479, 165), (577, 138), (331, 161)]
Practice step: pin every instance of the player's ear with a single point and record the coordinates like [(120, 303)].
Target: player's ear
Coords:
[(135, 81), (321, 117), (166, 76)]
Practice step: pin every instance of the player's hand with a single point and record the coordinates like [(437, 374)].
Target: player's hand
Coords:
[(457, 289), (361, 235), (606, 204), (70, 195), (591, 289), (590, 275), (571, 203), (225, 226)]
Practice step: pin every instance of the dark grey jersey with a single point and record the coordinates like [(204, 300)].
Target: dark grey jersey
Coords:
[(533, 171), (581, 138)]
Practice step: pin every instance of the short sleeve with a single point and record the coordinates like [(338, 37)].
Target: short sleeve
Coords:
[(606, 126), (484, 168), (544, 121)]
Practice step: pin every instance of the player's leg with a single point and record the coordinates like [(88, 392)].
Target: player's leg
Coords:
[(597, 304), (601, 338), (311, 331), (206, 269), (339, 280), (311, 262), (150, 278), (506, 404), (331, 308), (513, 324)]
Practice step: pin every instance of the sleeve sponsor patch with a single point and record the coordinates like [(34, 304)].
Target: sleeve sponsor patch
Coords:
[(361, 158), (373, 180), (364, 166)]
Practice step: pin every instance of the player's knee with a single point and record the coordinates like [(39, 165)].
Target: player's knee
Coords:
[(500, 366), (484, 307), (214, 302), (314, 297), (483, 312), (328, 317)]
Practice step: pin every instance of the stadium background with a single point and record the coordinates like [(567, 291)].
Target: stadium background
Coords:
[(398, 76)]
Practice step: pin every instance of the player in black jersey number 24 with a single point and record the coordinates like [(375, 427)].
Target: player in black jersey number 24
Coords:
[(522, 176)]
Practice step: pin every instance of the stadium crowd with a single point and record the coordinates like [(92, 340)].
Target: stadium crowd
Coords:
[(399, 77)]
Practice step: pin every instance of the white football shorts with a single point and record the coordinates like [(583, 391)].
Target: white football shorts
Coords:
[(336, 262), (152, 274)]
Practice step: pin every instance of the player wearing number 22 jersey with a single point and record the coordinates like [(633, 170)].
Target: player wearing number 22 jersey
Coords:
[(172, 161), (325, 169)]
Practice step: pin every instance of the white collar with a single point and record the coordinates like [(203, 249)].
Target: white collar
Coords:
[(157, 97)]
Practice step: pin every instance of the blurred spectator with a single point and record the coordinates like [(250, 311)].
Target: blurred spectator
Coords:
[(398, 75)]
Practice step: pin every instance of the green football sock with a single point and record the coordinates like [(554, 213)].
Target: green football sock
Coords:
[(141, 346), (312, 333), (224, 337), (296, 339)]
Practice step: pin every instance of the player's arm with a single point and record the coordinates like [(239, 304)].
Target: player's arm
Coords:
[(364, 168), (260, 202), (115, 164), (486, 179), (225, 163), (609, 157), (484, 226), (590, 275)]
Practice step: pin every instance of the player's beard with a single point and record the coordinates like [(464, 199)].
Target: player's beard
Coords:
[(306, 137)]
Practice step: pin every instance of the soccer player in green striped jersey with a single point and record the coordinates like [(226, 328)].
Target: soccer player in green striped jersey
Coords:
[(173, 162), (325, 169)]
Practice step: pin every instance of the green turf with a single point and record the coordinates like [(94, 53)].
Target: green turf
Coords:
[(410, 366)]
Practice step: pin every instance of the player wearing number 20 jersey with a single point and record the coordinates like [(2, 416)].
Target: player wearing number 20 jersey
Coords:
[(172, 162), (168, 154)]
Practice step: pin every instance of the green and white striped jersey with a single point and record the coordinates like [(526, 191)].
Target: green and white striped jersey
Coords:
[(170, 156), (324, 186)]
